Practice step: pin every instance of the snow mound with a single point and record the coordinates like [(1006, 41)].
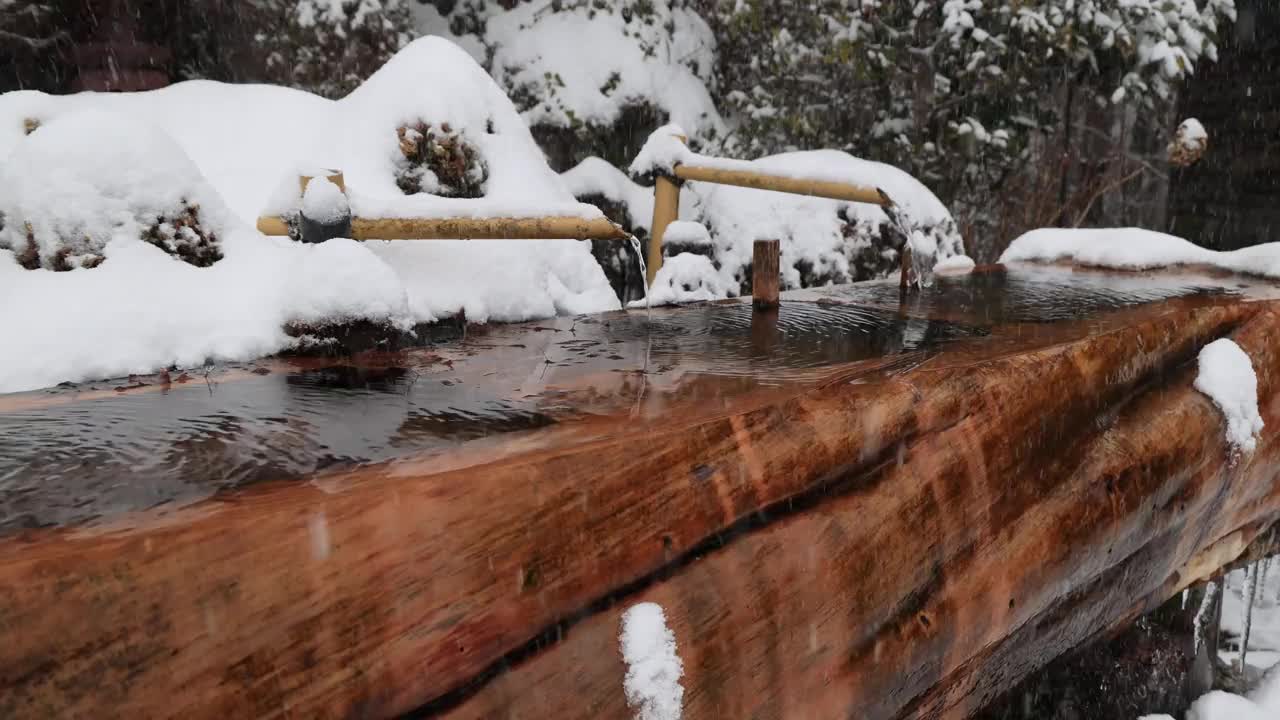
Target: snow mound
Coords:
[(652, 683), (1227, 377), (685, 232), (140, 311), (589, 61), (685, 278), (1136, 249), (78, 182)]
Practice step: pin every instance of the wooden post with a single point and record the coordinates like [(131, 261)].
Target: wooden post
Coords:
[(666, 207), (29, 125), (765, 274)]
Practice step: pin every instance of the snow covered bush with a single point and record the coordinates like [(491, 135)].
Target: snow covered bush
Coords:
[(77, 183), (594, 78), (329, 47), (439, 161)]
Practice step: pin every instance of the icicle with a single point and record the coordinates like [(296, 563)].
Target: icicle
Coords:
[(644, 270), (1185, 593), (1206, 602), (1250, 593)]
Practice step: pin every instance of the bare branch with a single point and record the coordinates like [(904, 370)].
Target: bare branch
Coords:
[(1103, 189), (33, 42)]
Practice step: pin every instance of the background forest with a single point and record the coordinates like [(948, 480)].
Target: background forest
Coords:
[(1016, 114)]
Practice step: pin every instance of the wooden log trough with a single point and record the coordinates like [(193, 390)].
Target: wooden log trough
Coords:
[(883, 537)]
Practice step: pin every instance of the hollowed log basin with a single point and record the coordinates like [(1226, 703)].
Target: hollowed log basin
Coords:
[(858, 505)]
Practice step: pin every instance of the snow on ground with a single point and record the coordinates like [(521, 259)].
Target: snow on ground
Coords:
[(652, 682), (1227, 377), (141, 310), (1137, 249), (64, 182), (1261, 704)]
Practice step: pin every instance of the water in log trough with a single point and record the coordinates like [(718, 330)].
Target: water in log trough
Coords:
[(855, 506)]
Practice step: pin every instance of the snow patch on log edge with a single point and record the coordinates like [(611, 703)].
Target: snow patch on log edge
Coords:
[(1227, 377), (652, 683)]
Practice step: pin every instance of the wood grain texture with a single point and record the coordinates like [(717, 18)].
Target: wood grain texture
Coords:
[(900, 548)]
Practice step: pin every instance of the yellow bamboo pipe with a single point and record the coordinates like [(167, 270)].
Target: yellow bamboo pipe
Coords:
[(528, 228), (778, 183), (666, 208)]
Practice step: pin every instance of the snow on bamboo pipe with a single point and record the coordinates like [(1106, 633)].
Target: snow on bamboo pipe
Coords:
[(525, 228), (325, 213)]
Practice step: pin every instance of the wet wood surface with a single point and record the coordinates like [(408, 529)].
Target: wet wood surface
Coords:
[(875, 542)]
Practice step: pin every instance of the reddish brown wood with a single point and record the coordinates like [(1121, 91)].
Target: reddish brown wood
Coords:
[(943, 577), (899, 548), (765, 274)]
